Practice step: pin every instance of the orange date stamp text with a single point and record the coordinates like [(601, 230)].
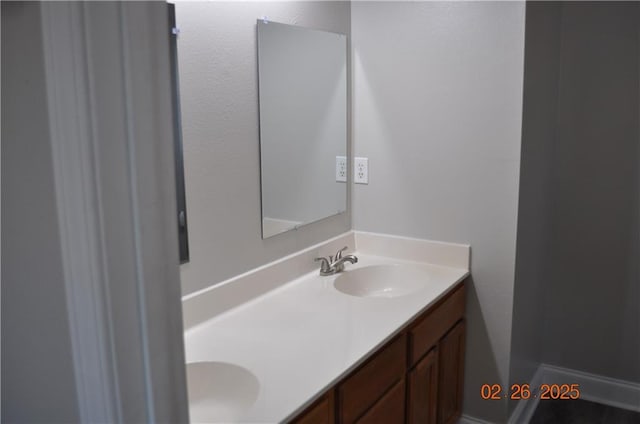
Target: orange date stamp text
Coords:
[(525, 391)]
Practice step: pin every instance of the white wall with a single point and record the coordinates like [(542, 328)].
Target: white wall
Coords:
[(217, 58), (437, 109), (38, 382)]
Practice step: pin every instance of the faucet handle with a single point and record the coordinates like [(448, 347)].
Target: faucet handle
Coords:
[(325, 266), (339, 254)]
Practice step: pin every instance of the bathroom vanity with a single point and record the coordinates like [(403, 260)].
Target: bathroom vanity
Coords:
[(382, 341)]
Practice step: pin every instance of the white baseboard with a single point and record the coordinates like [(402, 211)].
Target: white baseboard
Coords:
[(595, 388), (525, 408)]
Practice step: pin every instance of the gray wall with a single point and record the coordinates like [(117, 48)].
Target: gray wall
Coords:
[(37, 372), (593, 300), (577, 292), (533, 251), (218, 88), (437, 109)]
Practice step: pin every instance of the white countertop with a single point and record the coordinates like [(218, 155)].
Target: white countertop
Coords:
[(297, 340)]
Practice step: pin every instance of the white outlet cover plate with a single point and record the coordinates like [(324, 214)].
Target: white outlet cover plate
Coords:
[(361, 170), (341, 169)]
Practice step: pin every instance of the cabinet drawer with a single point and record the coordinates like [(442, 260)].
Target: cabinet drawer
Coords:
[(389, 409), (322, 412), (366, 385), (436, 322)]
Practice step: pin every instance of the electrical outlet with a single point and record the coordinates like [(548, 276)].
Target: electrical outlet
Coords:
[(341, 169), (361, 170)]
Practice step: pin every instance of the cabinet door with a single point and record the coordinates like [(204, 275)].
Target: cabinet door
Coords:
[(389, 409), (451, 375), (423, 390)]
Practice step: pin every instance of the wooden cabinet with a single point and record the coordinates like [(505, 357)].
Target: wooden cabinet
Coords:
[(362, 389), (428, 329), (321, 412), (416, 378), (423, 390), (389, 409), (451, 375), (436, 351)]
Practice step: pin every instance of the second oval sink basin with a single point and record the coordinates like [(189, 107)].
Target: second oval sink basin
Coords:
[(382, 281), (219, 391)]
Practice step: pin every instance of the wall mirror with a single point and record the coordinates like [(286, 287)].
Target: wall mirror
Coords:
[(302, 83)]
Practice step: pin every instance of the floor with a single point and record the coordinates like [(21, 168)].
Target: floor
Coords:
[(581, 412)]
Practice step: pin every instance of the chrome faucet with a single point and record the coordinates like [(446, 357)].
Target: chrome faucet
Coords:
[(330, 266), (339, 260)]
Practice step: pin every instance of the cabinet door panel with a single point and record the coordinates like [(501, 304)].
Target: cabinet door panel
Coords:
[(451, 374), (423, 390), (389, 409)]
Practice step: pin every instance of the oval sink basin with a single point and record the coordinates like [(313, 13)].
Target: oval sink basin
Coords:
[(382, 281), (219, 391)]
